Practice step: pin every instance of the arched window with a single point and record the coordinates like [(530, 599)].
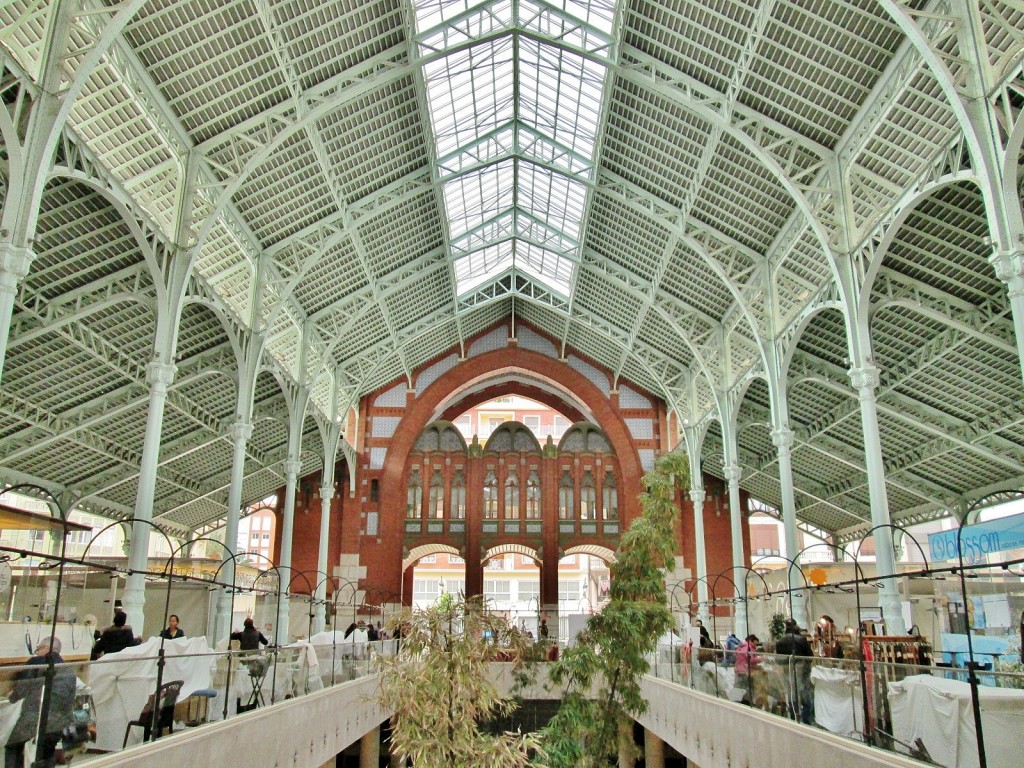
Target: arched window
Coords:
[(565, 497), (414, 496), (609, 497), (533, 496), (436, 509), (512, 495), (490, 496), (588, 497), (458, 510)]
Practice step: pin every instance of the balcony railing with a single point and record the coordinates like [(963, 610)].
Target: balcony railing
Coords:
[(99, 707), (899, 714)]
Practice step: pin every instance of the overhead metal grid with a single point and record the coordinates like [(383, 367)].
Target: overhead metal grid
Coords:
[(640, 181)]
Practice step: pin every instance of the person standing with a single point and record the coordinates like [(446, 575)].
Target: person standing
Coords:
[(116, 637), (172, 631), (731, 644), (249, 638), (748, 670), (28, 688), (705, 638), (794, 644)]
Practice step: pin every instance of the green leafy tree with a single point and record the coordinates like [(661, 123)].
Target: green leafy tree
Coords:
[(603, 672), (440, 691)]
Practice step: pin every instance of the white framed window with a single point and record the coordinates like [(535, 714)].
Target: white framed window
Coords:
[(529, 589), (425, 591), (569, 591), (499, 590)]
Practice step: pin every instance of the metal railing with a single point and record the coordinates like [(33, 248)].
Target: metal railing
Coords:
[(828, 694), (103, 706)]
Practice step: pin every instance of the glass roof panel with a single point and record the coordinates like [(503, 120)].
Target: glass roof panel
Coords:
[(472, 199), (560, 94), (597, 19), (545, 266), (484, 264), (514, 118), (556, 199), (444, 23), (491, 231), (529, 230), (470, 93)]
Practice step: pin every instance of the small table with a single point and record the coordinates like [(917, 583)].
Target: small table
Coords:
[(258, 667), (199, 706)]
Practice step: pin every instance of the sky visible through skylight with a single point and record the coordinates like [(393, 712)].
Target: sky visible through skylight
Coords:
[(515, 93)]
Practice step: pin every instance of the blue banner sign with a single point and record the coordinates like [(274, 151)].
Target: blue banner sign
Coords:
[(978, 540)]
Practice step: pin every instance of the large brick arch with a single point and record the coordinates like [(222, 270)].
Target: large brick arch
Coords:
[(421, 411), (561, 404)]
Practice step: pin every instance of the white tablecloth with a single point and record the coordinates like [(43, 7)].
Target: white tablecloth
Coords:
[(336, 652), (939, 712), (295, 673), (717, 679), (122, 682), (838, 704)]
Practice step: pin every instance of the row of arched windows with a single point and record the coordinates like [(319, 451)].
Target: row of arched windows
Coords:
[(588, 507), (506, 502)]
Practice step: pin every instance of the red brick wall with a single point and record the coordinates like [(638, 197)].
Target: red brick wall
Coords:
[(381, 554), (717, 539), (306, 532)]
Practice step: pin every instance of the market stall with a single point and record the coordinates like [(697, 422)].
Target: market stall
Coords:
[(939, 712), (122, 682)]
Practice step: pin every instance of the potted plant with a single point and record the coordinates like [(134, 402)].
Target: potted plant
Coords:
[(603, 672), (440, 691)]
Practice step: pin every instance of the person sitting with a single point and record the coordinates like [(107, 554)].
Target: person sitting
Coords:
[(28, 688), (249, 638), (172, 631), (116, 637)]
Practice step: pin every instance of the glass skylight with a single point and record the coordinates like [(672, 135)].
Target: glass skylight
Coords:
[(515, 94)]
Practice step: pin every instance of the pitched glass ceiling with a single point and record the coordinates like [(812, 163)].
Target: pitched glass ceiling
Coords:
[(514, 91)]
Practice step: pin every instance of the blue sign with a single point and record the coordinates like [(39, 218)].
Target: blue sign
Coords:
[(978, 540)]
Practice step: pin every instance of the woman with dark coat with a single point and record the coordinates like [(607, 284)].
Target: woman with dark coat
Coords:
[(250, 638), (173, 631), (116, 637)]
